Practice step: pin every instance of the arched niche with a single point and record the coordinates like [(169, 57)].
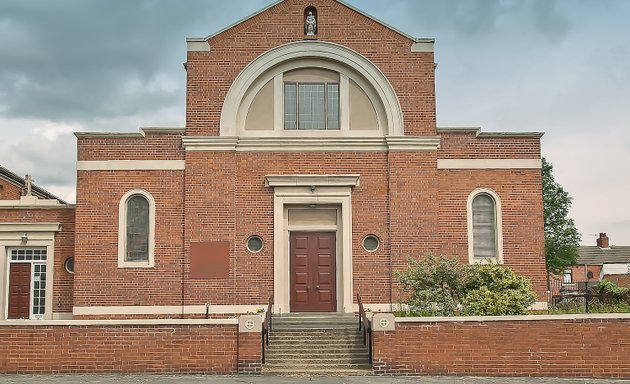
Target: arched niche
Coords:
[(254, 105)]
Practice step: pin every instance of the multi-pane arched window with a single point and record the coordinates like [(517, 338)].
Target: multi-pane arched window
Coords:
[(136, 229), (484, 226), (137, 244)]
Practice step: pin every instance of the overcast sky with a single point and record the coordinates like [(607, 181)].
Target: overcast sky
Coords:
[(562, 67)]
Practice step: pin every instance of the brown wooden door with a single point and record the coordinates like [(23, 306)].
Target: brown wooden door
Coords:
[(313, 277), (19, 291)]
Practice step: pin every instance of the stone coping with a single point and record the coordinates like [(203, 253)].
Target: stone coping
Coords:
[(105, 323), (457, 319)]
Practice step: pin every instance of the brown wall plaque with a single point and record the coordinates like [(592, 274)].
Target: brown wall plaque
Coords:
[(210, 259)]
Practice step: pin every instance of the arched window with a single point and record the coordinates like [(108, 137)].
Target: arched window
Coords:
[(484, 227), (136, 230)]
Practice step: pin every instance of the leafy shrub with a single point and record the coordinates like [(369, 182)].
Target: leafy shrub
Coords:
[(611, 292), (493, 290), (442, 286), (434, 285)]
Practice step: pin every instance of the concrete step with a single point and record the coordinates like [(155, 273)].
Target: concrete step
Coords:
[(317, 351), (315, 360), (315, 331), (324, 371), (316, 344), (316, 338), (301, 368), (319, 354), (331, 348), (314, 321)]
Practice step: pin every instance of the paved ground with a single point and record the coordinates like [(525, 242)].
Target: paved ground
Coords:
[(194, 379)]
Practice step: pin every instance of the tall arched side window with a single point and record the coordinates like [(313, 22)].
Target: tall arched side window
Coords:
[(485, 234), (136, 230)]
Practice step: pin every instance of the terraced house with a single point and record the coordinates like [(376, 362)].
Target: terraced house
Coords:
[(310, 168)]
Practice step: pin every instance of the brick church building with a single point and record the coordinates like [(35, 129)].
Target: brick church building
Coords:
[(310, 169)]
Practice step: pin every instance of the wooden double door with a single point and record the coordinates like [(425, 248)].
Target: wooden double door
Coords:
[(313, 272), (19, 291)]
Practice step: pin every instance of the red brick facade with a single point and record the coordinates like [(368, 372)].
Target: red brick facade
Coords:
[(403, 198), (406, 195), (9, 191)]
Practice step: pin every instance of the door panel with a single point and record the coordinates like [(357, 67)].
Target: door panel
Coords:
[(313, 272), (19, 291)]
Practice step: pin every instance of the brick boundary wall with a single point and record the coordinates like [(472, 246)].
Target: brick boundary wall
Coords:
[(560, 346), (131, 346)]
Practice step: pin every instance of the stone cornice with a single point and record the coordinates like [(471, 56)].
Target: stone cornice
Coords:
[(311, 144), (106, 323), (312, 180), (32, 202), (478, 133), (489, 164), (30, 227), (141, 133)]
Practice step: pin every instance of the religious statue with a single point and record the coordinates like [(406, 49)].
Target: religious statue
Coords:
[(311, 24)]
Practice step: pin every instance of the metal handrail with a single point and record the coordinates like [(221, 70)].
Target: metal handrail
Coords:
[(266, 328), (366, 327)]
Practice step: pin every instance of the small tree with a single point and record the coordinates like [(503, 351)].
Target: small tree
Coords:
[(562, 238), (493, 290), (434, 285)]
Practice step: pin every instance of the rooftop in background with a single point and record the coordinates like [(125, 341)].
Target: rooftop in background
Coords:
[(603, 253), (21, 183)]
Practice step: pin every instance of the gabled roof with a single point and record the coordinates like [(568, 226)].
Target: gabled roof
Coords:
[(414, 39), (21, 183), (593, 255)]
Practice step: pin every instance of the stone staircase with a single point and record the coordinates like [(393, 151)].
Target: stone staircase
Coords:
[(316, 344)]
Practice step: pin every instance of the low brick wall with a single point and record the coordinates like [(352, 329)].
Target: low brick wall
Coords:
[(569, 346), (132, 346)]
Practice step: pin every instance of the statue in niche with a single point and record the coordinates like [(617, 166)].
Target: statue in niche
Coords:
[(311, 24)]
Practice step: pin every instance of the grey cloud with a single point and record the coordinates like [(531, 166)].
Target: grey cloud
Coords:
[(49, 161), (74, 60), (550, 20), (474, 19)]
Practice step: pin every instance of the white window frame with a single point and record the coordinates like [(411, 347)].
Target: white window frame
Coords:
[(567, 273), (326, 104), (498, 223), (122, 231)]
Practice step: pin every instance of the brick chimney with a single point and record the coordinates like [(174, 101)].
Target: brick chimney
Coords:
[(602, 241)]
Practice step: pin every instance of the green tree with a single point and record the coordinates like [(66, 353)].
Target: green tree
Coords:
[(562, 238)]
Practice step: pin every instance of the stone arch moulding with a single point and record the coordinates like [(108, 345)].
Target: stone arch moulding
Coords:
[(315, 50)]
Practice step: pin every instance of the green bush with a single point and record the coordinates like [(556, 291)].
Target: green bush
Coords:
[(493, 290), (612, 292), (442, 286), (434, 285)]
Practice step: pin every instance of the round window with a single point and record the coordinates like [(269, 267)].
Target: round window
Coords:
[(254, 244), (69, 264), (370, 243)]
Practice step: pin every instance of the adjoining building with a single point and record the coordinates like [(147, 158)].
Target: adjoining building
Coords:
[(310, 169), (601, 261)]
